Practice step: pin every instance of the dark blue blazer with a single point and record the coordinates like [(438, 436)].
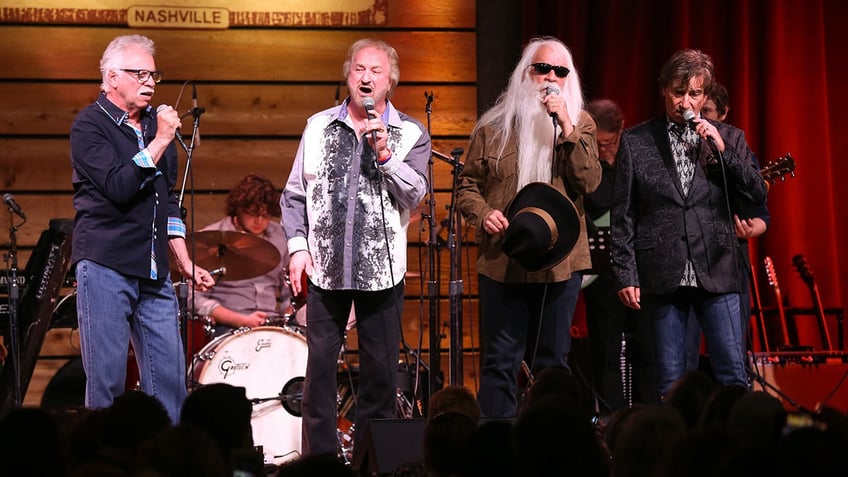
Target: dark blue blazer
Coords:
[(655, 229)]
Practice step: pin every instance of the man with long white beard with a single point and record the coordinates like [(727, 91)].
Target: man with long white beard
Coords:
[(538, 140)]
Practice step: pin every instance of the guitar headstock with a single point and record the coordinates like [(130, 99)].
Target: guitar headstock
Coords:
[(804, 269), (770, 273), (779, 168)]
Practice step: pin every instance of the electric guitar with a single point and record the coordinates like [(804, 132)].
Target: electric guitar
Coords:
[(781, 312), (807, 275)]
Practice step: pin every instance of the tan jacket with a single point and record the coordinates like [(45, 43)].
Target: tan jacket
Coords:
[(488, 182)]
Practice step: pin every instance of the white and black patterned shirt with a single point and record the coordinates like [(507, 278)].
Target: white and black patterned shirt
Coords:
[(347, 210), (684, 143)]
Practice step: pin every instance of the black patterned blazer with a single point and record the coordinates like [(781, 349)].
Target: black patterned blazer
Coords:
[(654, 228)]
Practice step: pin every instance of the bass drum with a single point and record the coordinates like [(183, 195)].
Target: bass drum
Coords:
[(270, 363)]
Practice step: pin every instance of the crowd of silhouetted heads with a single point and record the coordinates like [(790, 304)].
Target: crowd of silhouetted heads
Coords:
[(700, 430)]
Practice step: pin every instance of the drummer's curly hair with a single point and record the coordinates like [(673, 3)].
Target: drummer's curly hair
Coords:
[(252, 194)]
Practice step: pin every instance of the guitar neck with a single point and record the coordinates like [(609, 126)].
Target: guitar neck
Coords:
[(817, 304)]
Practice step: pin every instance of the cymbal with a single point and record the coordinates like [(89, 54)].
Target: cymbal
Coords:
[(241, 255)]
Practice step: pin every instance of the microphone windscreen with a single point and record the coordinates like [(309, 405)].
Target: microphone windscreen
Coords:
[(368, 103), (688, 115), (551, 89)]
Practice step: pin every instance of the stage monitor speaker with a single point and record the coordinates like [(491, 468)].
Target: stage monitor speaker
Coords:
[(388, 443), (808, 379)]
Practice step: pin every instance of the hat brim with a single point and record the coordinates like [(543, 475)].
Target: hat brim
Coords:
[(564, 214)]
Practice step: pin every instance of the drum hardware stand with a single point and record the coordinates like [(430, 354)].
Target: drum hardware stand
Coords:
[(287, 398), (454, 222), (11, 259)]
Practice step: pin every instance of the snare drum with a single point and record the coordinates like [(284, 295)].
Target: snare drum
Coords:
[(270, 363)]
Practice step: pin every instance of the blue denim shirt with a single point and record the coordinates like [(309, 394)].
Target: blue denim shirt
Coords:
[(125, 208)]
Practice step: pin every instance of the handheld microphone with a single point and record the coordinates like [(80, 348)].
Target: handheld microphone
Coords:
[(368, 104), (552, 89), (689, 117), (177, 131), (9, 199)]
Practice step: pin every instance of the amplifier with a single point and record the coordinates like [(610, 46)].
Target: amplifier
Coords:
[(803, 378)]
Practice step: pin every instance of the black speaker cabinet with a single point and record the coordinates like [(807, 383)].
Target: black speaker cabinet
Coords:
[(805, 378), (388, 443)]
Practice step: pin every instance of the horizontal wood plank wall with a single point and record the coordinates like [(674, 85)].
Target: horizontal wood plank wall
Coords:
[(258, 85)]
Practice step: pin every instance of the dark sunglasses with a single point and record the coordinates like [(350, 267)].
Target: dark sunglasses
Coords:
[(544, 68)]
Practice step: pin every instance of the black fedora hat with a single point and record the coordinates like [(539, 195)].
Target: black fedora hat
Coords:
[(543, 227)]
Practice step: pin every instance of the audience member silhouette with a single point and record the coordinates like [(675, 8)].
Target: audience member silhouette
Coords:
[(643, 438), (183, 451), (31, 444), (717, 408), (491, 451), (223, 412), (446, 438), (554, 437), (132, 419), (689, 394), (454, 398)]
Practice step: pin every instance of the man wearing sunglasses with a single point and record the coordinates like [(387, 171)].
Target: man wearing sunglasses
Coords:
[(536, 132), (127, 218)]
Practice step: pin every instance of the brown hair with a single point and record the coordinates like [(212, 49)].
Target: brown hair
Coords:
[(252, 194)]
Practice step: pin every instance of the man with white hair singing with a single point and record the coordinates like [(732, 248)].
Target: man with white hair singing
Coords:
[(531, 159)]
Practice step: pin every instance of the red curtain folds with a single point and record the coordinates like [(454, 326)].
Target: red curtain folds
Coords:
[(782, 62)]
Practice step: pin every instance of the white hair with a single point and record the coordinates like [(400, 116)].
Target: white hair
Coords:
[(114, 54), (531, 128)]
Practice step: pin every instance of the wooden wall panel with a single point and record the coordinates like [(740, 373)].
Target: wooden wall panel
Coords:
[(258, 85), (231, 110), (237, 55)]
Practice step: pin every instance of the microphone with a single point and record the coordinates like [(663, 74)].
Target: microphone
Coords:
[(177, 132), (196, 111), (9, 199), (552, 89), (689, 117), (368, 104)]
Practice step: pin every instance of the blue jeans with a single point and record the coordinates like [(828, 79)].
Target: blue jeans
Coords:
[(509, 325), (114, 310), (718, 316)]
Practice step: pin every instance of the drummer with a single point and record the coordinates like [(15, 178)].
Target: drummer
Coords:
[(257, 292)]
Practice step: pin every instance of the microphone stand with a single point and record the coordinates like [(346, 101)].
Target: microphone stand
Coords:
[(433, 285), (182, 296), (455, 286), (11, 258)]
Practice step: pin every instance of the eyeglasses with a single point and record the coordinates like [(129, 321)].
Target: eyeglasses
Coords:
[(611, 143), (144, 75), (544, 68)]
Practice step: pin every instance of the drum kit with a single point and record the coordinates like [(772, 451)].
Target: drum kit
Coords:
[(268, 361)]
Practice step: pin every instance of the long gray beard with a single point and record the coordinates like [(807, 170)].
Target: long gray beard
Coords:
[(535, 147)]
